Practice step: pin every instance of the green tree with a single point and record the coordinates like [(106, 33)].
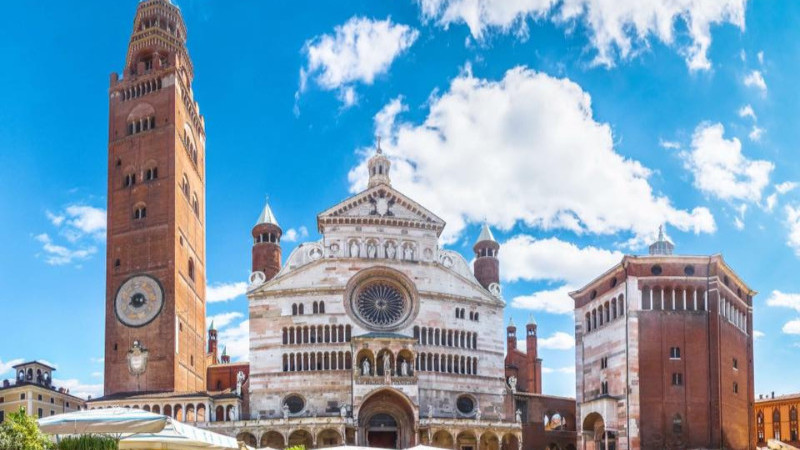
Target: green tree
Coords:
[(88, 442), (20, 432)]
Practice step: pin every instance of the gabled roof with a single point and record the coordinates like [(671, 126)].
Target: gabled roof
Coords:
[(384, 205)]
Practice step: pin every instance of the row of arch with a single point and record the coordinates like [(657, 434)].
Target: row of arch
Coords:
[(267, 237), (446, 338), (188, 143), (186, 412), (150, 174), (674, 299), (605, 313), (461, 365), (461, 314), (370, 364), (186, 188), (311, 361), (328, 437), (735, 316), (298, 309), (316, 334), (372, 248), (188, 103), (143, 124), (143, 88), (776, 425)]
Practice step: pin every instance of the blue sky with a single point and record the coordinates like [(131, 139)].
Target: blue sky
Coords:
[(574, 127)]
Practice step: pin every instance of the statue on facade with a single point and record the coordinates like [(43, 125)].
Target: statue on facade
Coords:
[(343, 411), (371, 250), (512, 384), (354, 250), (285, 409), (232, 414), (390, 251), (478, 413), (239, 382), (409, 254), (430, 412), (365, 369), (518, 416), (387, 365), (404, 369)]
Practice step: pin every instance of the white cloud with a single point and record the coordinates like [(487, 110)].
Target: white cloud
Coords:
[(784, 300), (758, 334), (721, 170), (222, 292), (554, 301), (793, 223), (526, 258), (617, 29), (6, 367), (558, 341), (747, 111), (780, 189), (525, 148), (357, 51), (756, 133), (292, 235), (80, 389), (671, 145), (761, 57), (97, 374), (222, 320), (567, 369), (58, 255), (791, 327), (738, 221), (99, 360), (236, 340), (756, 79)]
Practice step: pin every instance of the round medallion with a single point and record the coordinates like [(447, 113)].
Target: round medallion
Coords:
[(139, 300)]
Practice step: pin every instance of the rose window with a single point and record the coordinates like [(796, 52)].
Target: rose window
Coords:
[(381, 304)]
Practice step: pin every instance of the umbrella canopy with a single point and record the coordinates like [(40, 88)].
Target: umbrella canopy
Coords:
[(178, 436), (104, 421)]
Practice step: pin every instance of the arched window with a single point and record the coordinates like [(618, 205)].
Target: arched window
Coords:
[(300, 309), (151, 174), (294, 309), (677, 424), (322, 307), (140, 212), (793, 424), (191, 268), (185, 185), (315, 308), (776, 424), (195, 205)]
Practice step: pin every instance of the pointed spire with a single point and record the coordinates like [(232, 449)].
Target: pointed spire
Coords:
[(511, 322), (662, 246), (378, 166), (267, 216), (486, 234), (531, 320), (212, 325), (225, 350)]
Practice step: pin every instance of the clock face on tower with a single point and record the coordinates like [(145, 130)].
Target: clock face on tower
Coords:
[(139, 300)]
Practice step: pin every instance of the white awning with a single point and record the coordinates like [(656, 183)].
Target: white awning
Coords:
[(178, 436), (104, 421)]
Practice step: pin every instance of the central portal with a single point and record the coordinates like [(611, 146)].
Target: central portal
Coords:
[(386, 420), (382, 431)]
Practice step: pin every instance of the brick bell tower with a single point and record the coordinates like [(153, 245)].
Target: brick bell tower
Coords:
[(155, 274), (267, 244), (486, 266)]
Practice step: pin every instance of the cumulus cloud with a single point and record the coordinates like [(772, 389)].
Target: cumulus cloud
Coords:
[(222, 320), (721, 170), (791, 327), (616, 29), (558, 341), (79, 389), (784, 300), (747, 111), (526, 258), (292, 234), (567, 369), (6, 366), (793, 223), (356, 52), (780, 189), (755, 79), (59, 255), (758, 334), (237, 341), (526, 148), (756, 133), (222, 292), (554, 301)]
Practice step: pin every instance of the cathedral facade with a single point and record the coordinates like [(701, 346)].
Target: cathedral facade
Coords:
[(374, 335)]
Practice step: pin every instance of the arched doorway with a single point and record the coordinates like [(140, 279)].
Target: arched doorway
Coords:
[(328, 438), (489, 441), (595, 435), (301, 437), (442, 439), (510, 442), (272, 439), (386, 420), (247, 438)]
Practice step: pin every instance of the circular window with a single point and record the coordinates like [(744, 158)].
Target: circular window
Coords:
[(381, 299), (465, 404), (655, 270), (295, 403), (688, 270), (380, 304)]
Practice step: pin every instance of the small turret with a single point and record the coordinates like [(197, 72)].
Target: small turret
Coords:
[(225, 358), (267, 244), (662, 246), (212, 343), (379, 166), (511, 335), (486, 266)]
